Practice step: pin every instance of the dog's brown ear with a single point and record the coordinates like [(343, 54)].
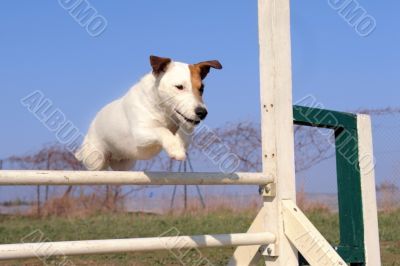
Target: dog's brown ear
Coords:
[(205, 67), (159, 64)]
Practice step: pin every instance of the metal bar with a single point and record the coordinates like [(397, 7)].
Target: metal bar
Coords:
[(185, 187), (197, 187), (173, 197), (175, 187), (69, 248), (23, 177), (38, 201), (203, 203), (185, 197)]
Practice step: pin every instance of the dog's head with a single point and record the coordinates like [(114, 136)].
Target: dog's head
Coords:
[(180, 87)]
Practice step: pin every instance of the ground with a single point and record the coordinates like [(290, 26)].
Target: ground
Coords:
[(16, 229)]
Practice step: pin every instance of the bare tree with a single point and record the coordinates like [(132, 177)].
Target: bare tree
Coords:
[(50, 157), (243, 139), (312, 145)]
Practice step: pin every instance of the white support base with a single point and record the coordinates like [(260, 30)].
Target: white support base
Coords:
[(306, 238)]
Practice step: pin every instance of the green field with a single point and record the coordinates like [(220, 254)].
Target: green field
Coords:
[(14, 229)]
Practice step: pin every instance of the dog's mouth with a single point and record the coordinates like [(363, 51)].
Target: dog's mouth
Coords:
[(194, 122)]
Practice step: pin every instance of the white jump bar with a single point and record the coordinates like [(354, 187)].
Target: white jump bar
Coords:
[(70, 248), (18, 177)]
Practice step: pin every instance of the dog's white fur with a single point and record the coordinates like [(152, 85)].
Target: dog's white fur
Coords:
[(144, 121)]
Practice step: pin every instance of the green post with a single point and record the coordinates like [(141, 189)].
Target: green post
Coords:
[(351, 246)]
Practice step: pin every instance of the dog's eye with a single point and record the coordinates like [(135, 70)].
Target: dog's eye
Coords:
[(179, 87)]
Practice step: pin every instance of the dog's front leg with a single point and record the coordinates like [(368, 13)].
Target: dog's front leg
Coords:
[(174, 145)]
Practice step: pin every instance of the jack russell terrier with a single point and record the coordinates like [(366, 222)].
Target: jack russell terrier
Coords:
[(159, 112)]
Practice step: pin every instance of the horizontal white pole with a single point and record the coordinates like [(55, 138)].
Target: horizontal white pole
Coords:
[(17, 177), (69, 248)]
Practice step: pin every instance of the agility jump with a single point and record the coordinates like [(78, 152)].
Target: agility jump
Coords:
[(280, 231)]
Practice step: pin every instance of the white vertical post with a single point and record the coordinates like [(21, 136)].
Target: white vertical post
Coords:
[(277, 132), (368, 193), (277, 120)]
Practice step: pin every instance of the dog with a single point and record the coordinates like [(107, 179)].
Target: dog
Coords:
[(159, 112)]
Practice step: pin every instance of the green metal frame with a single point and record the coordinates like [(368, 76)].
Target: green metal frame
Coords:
[(351, 247)]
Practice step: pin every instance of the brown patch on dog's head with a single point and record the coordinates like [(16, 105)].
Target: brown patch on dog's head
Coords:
[(159, 64), (198, 73)]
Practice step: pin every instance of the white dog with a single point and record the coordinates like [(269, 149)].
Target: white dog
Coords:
[(159, 112)]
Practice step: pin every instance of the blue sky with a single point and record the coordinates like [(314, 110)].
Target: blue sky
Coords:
[(44, 48)]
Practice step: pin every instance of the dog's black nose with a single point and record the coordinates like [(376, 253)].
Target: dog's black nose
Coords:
[(201, 112)]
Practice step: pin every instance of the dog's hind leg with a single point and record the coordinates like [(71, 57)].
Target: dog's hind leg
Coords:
[(92, 157), (122, 165), (96, 161)]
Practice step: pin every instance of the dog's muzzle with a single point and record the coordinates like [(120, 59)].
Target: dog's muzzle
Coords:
[(194, 122)]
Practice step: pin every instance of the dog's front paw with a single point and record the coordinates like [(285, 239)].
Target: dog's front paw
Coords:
[(176, 151), (180, 156)]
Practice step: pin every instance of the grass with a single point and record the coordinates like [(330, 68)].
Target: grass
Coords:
[(104, 226)]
